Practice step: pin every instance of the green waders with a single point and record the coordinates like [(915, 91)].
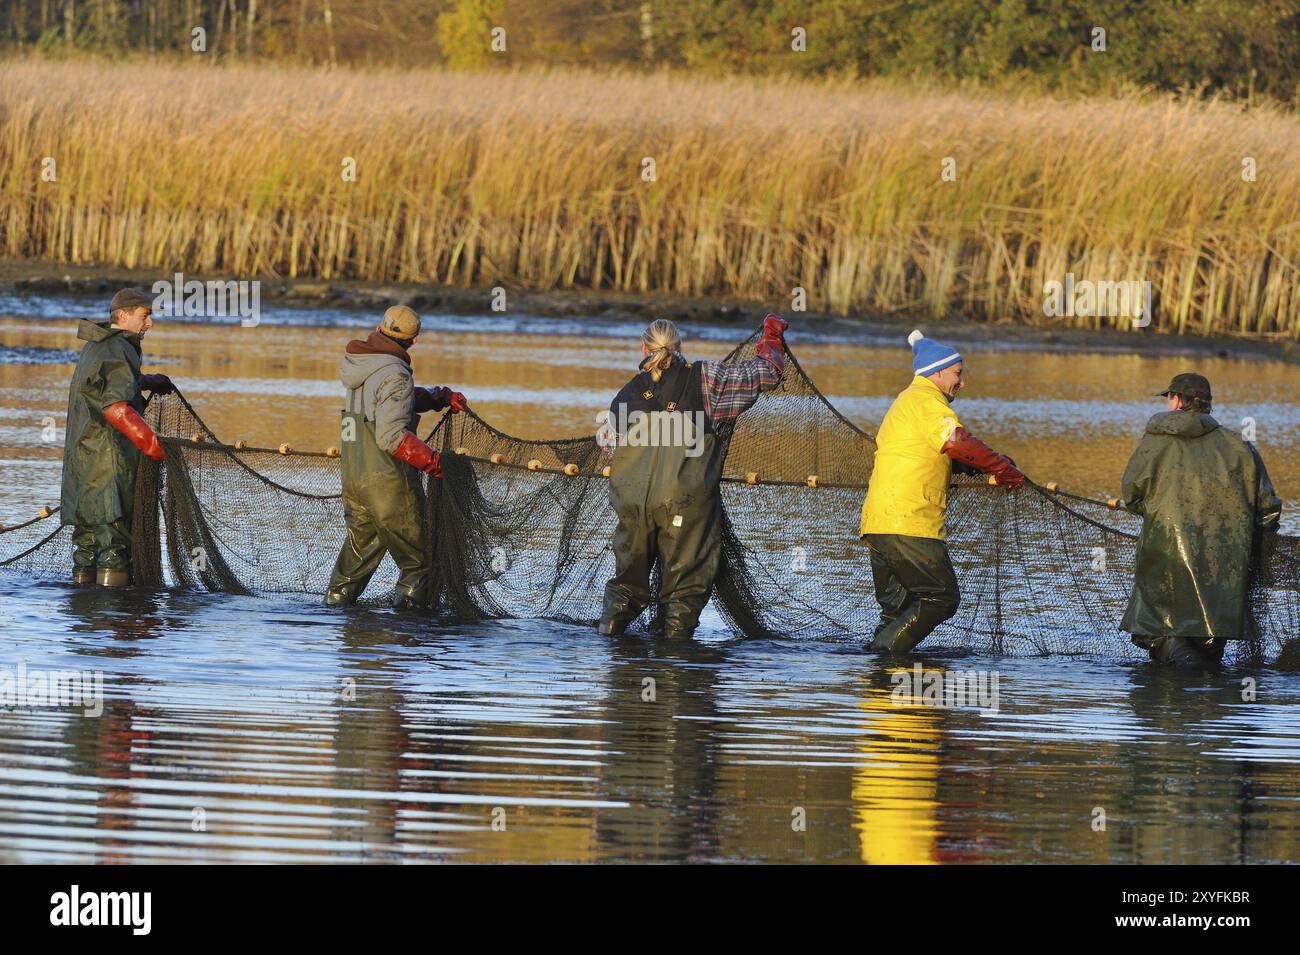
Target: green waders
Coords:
[(684, 536), (102, 545), (383, 504), (1183, 653), (99, 463), (664, 489), (915, 586)]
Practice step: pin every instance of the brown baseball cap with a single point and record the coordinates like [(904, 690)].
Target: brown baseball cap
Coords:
[(1188, 385), (400, 322), (131, 298)]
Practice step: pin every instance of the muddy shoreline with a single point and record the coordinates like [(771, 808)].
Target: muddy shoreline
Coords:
[(45, 278)]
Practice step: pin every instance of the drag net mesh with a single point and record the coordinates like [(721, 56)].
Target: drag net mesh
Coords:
[(513, 535)]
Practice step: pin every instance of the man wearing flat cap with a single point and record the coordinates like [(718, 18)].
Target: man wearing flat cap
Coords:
[(1205, 500), (106, 436), (384, 463)]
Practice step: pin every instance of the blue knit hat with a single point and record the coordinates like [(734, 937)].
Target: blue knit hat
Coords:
[(928, 356)]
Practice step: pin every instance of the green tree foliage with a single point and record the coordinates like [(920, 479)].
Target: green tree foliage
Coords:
[(1243, 48)]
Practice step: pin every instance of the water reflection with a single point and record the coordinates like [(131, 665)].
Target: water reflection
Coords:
[(896, 786), (245, 729), (242, 729)]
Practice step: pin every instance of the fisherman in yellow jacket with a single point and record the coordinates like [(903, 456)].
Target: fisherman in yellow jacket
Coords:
[(919, 444)]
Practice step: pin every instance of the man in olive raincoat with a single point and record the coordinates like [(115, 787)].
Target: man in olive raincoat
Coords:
[(383, 460), (667, 466), (105, 437), (918, 445), (1204, 497)]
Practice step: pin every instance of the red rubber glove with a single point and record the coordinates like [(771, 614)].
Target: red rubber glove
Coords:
[(436, 399), (158, 384), (418, 455), (965, 448), (772, 343), (128, 421)]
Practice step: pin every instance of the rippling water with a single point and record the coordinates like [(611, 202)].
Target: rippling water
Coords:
[(243, 729), (297, 734)]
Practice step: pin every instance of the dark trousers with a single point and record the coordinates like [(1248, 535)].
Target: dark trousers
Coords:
[(102, 545), (1184, 653), (915, 586), (688, 547), (363, 549)]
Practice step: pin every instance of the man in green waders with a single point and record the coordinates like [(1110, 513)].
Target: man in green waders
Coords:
[(383, 460), (667, 466), (1204, 497), (919, 444), (105, 437)]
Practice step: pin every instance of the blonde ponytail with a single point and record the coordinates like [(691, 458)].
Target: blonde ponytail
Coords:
[(664, 344)]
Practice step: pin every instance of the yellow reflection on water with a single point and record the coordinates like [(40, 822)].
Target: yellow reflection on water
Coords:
[(896, 783)]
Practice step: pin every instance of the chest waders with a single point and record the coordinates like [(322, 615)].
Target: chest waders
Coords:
[(383, 504), (99, 464), (664, 490)]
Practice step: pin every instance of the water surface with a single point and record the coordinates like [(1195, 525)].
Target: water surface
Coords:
[(250, 729)]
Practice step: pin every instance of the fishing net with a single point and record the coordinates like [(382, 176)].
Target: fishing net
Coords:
[(522, 528)]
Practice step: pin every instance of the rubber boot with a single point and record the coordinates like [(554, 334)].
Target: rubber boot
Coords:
[(609, 627), (336, 598), (916, 587), (85, 550), (906, 631), (411, 599), (1182, 653), (112, 577)]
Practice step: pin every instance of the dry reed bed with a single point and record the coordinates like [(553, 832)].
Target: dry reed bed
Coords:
[(534, 179)]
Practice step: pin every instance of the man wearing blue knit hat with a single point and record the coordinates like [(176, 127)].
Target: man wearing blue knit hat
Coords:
[(919, 443)]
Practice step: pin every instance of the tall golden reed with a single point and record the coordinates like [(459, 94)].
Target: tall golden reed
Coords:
[(534, 179)]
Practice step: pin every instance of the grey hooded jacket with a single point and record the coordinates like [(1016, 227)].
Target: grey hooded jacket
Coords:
[(387, 392)]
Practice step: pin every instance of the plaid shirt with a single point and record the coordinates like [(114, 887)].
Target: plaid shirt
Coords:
[(729, 390)]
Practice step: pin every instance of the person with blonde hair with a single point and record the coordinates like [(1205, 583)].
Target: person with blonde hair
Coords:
[(666, 471)]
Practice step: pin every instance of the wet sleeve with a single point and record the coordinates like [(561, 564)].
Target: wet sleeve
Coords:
[(1137, 477), (394, 403), (113, 381), (1268, 506)]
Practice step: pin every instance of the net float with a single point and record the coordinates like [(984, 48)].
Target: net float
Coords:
[(812, 480), (44, 512), (534, 465), (751, 477), (286, 449), (498, 458), (571, 470), (606, 471), (331, 452)]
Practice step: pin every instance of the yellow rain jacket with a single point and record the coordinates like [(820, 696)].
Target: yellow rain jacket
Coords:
[(908, 491)]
